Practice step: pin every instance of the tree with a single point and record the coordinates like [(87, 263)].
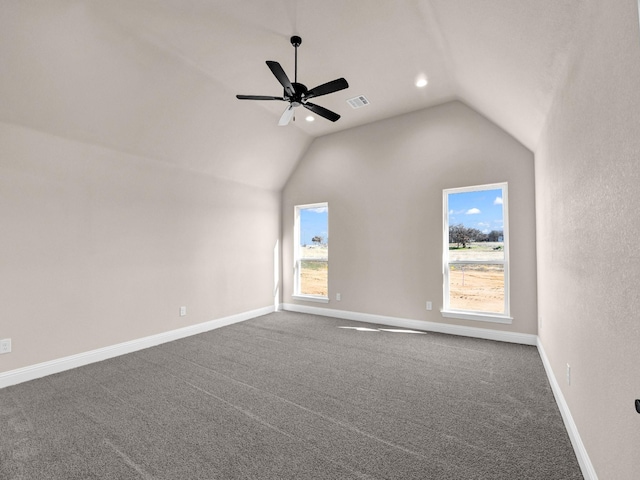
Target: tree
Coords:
[(482, 237), (317, 240), (475, 235), (459, 234), (495, 235), (463, 235)]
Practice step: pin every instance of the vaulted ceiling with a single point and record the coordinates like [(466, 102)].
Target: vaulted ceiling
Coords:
[(158, 78)]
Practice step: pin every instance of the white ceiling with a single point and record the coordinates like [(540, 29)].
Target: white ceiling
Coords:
[(158, 78)]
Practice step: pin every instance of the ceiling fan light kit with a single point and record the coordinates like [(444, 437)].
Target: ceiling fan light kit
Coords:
[(298, 94)]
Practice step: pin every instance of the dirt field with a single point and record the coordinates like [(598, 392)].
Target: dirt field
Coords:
[(313, 278), (478, 290), (314, 275), (476, 287)]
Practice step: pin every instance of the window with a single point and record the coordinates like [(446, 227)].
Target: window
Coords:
[(311, 252), (476, 253)]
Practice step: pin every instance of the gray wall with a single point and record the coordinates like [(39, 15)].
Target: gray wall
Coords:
[(384, 185), (100, 247), (587, 177)]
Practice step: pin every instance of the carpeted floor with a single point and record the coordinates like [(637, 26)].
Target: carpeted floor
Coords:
[(293, 396)]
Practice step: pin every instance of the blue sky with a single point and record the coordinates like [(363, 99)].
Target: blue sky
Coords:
[(313, 222), (479, 209)]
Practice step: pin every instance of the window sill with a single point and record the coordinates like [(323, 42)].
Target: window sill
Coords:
[(311, 298), (479, 317)]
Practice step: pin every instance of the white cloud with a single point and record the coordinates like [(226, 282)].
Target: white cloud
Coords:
[(319, 210), (472, 211), (498, 201)]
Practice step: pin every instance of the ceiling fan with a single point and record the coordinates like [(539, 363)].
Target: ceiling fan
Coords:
[(296, 93)]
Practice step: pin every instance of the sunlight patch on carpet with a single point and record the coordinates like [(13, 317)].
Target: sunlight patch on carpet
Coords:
[(362, 329), (402, 330), (392, 330)]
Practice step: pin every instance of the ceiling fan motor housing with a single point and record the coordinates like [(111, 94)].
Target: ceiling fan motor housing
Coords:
[(301, 90)]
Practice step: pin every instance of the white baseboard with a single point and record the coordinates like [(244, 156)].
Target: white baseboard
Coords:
[(39, 370), (588, 472), (485, 333)]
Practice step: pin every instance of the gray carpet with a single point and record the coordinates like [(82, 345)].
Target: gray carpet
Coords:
[(293, 396)]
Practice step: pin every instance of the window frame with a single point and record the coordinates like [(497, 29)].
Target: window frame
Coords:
[(298, 258), (449, 312)]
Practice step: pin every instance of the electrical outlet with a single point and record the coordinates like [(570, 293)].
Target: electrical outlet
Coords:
[(183, 311), (5, 346), (429, 306), (568, 374), (338, 297)]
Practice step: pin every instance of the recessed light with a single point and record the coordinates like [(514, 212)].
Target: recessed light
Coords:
[(421, 82), (309, 119)]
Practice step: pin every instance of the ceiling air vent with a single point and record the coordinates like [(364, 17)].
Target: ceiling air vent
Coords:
[(359, 101)]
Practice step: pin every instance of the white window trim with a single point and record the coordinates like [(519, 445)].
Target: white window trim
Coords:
[(478, 316), (311, 298), (297, 256), (449, 312)]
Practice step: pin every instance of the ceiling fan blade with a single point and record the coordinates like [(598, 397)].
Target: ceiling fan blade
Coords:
[(286, 116), (258, 97), (329, 87), (323, 112), (277, 70)]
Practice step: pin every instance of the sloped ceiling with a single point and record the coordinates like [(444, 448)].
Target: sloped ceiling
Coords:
[(158, 78)]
